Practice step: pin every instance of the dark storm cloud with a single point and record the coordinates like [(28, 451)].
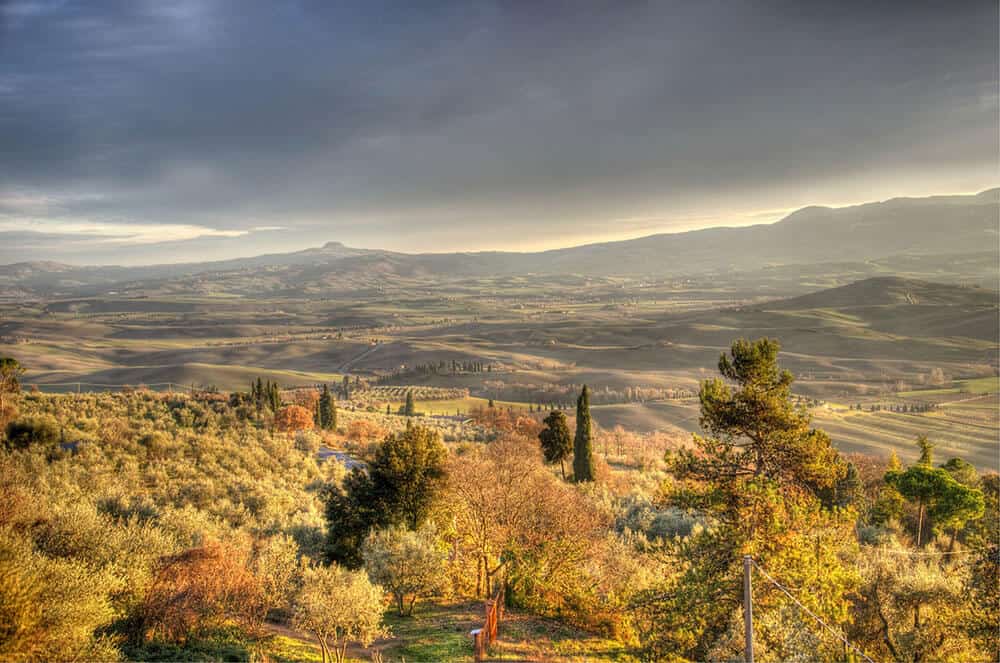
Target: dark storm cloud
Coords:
[(560, 120)]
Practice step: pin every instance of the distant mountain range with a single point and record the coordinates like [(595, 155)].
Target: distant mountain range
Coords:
[(907, 227)]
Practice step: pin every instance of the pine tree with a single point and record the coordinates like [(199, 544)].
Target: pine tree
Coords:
[(757, 473), (936, 493), (583, 457)]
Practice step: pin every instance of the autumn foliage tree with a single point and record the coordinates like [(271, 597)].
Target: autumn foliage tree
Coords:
[(10, 384), (293, 418), (198, 589)]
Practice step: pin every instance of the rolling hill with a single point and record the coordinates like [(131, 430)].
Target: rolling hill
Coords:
[(951, 227)]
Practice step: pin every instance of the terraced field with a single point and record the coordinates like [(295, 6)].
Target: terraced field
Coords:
[(967, 428)]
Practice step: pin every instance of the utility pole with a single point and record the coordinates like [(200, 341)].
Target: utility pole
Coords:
[(747, 609)]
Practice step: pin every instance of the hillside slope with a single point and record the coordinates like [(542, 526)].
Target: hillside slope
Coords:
[(935, 226)]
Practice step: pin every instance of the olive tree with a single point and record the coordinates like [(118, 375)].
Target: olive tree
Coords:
[(409, 564), (338, 606)]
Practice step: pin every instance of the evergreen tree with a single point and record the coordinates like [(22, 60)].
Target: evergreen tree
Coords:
[(409, 409), (757, 475), (273, 396), (849, 489), (401, 487), (938, 496), (557, 444), (583, 456), (326, 410)]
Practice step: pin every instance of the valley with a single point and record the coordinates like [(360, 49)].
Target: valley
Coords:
[(882, 341)]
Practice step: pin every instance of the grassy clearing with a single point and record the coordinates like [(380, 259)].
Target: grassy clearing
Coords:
[(528, 638), (439, 632)]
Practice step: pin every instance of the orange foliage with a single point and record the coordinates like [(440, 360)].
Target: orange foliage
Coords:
[(198, 589), (527, 427), (363, 431), (293, 418), (496, 418), (307, 398)]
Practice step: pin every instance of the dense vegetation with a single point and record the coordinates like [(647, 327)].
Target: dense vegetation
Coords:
[(151, 526)]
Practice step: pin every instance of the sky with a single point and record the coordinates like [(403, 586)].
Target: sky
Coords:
[(146, 131)]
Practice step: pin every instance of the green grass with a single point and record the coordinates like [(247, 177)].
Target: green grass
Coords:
[(288, 650), (437, 632)]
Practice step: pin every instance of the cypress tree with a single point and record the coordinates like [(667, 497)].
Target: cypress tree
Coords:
[(259, 395), (273, 396), (326, 410), (583, 457), (409, 409)]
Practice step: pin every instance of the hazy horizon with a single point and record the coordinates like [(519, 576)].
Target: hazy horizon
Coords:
[(236, 254)]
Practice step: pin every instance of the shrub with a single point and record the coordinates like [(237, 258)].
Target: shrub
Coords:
[(29, 431)]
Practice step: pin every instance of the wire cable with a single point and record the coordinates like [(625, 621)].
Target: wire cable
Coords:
[(810, 612)]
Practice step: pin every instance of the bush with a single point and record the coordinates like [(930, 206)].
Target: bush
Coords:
[(23, 433)]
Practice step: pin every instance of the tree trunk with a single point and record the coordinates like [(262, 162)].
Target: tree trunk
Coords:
[(562, 468), (322, 647), (399, 604)]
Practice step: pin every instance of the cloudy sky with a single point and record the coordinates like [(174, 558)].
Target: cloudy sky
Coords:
[(158, 131)]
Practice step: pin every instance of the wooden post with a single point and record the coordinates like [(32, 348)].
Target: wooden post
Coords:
[(747, 609)]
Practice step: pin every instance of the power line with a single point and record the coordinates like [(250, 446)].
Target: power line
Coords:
[(810, 612), (918, 553)]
